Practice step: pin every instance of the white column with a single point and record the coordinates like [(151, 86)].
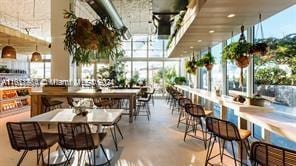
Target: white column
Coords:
[(61, 67), (250, 72)]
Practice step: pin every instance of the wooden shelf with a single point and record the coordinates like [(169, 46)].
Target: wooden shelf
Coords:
[(15, 103)]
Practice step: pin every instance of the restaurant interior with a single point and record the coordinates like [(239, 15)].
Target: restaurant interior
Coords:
[(148, 82)]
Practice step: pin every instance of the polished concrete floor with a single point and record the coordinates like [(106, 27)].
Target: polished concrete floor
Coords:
[(157, 142)]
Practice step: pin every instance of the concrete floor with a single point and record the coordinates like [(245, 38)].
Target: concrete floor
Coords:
[(157, 142)]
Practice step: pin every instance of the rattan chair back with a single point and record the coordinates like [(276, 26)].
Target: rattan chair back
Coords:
[(269, 155), (75, 136), (195, 110), (223, 129), (25, 136)]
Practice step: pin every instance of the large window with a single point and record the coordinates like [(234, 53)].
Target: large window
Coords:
[(274, 76), (204, 74), (216, 80), (233, 73), (41, 69), (147, 60)]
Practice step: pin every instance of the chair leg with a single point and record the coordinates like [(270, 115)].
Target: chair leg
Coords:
[(22, 158), (210, 149), (233, 153), (48, 156), (179, 119), (186, 128), (118, 129), (114, 139), (203, 134), (105, 154)]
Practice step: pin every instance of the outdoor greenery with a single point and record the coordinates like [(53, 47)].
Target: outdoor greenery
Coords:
[(168, 75), (280, 52), (271, 76), (90, 41), (180, 80)]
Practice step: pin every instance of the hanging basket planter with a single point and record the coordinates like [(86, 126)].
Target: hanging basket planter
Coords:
[(190, 66), (259, 49), (242, 61), (206, 61)]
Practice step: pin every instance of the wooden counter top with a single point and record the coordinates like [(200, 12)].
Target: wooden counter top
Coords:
[(86, 92)]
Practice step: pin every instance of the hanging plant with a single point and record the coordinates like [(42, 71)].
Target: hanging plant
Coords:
[(87, 41), (207, 61), (260, 47), (190, 66), (238, 52)]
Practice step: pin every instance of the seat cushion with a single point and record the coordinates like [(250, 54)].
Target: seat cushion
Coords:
[(208, 112), (244, 134), (50, 138)]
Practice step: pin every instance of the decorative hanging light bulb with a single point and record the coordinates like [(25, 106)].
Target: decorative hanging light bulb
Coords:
[(36, 56), (8, 52)]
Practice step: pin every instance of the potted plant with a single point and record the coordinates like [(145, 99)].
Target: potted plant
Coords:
[(207, 61), (190, 66), (259, 48), (180, 80), (88, 41), (256, 100)]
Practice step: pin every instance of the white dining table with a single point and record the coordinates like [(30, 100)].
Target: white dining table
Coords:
[(94, 116)]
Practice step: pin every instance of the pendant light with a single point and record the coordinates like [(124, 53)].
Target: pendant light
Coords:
[(36, 56), (8, 52)]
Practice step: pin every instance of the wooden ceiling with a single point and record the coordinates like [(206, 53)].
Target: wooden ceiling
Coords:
[(212, 15), (23, 43)]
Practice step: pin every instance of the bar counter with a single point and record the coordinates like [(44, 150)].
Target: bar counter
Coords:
[(129, 94), (267, 118)]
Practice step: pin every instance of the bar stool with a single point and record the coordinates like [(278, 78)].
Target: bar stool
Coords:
[(182, 102), (143, 102), (268, 155), (195, 114), (27, 136), (226, 131), (50, 104), (78, 137), (175, 104), (152, 95)]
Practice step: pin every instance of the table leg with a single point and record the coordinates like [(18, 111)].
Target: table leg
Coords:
[(131, 108)]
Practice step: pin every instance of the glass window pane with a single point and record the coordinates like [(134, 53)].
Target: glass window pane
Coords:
[(128, 69), (37, 69), (87, 71), (156, 76), (47, 69), (140, 53), (274, 80), (155, 53), (217, 68), (140, 70)]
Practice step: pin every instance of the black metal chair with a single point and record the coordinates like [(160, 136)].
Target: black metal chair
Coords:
[(226, 131), (144, 103), (195, 114), (27, 136), (78, 137), (265, 154)]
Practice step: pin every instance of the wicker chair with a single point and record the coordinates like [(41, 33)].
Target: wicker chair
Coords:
[(195, 114), (175, 103), (27, 136), (226, 131), (78, 137), (182, 102), (152, 95), (269, 155), (50, 104)]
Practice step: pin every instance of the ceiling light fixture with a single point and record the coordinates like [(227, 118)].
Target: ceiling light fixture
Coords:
[(199, 41), (185, 52), (231, 15), (211, 31), (36, 56), (8, 52), (191, 47)]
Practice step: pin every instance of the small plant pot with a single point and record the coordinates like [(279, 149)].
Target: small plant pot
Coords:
[(209, 66), (257, 102), (242, 61)]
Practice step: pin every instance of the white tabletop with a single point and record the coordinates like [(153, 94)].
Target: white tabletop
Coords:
[(94, 116)]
